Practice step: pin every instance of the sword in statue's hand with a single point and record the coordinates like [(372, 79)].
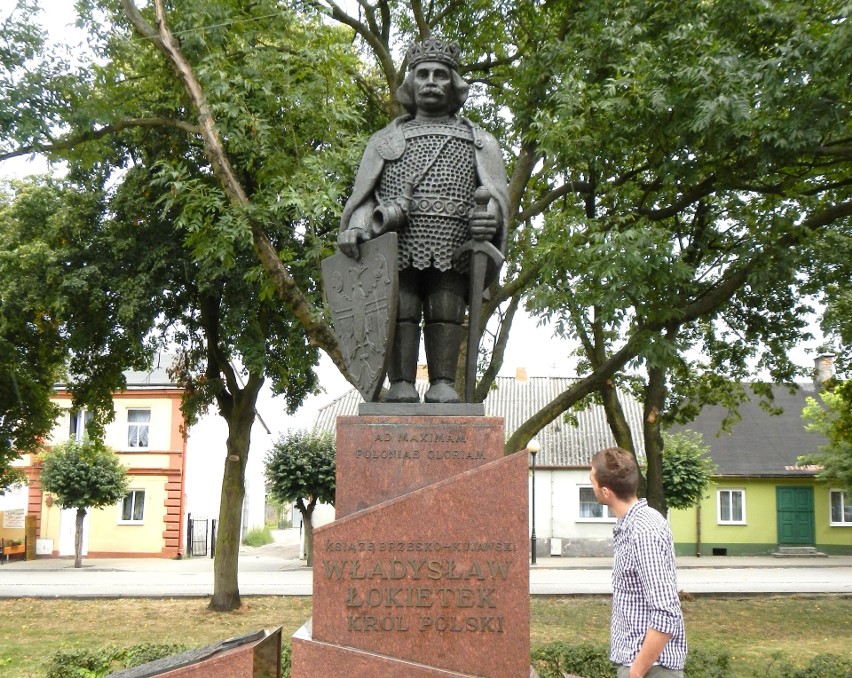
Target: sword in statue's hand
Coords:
[(481, 251)]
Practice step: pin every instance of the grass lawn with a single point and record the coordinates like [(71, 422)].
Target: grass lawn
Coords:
[(752, 630)]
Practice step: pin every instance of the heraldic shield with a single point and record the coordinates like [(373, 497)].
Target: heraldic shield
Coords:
[(362, 296)]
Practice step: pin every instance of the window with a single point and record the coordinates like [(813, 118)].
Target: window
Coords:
[(841, 508), (731, 504), (78, 421), (590, 509), (133, 507), (138, 422)]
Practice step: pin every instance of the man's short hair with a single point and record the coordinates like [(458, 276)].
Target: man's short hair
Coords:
[(616, 469)]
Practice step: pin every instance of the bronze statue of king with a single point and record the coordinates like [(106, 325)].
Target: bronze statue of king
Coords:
[(437, 180)]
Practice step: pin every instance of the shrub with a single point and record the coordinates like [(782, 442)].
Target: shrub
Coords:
[(136, 655), (286, 652), (702, 663), (106, 660), (821, 666), (259, 536), (81, 663), (584, 659), (592, 661)]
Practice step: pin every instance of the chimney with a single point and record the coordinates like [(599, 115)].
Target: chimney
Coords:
[(521, 374), (823, 368)]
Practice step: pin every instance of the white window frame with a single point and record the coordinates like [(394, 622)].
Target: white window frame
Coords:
[(79, 420), (138, 425), (132, 521), (731, 491), (607, 517), (845, 500)]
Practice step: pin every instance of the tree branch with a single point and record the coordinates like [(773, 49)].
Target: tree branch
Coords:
[(519, 439), (698, 192), (71, 141), (318, 331), (545, 201)]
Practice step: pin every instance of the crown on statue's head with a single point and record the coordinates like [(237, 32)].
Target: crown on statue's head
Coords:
[(434, 49)]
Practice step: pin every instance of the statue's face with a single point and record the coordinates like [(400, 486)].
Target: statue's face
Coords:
[(432, 82)]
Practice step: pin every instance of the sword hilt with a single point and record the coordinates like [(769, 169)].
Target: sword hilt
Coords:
[(481, 196)]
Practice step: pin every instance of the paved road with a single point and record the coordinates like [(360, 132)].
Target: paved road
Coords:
[(276, 570)]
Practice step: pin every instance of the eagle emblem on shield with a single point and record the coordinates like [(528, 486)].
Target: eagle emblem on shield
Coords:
[(362, 297)]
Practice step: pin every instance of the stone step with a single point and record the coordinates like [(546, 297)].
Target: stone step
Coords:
[(798, 552)]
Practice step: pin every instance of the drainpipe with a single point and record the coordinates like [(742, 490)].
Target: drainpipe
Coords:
[(698, 529)]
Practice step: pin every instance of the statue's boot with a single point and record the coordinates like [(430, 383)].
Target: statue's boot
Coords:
[(443, 344), (402, 370)]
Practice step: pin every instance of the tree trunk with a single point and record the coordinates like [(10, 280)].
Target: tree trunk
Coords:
[(307, 522), (78, 537), (615, 417), (655, 396), (618, 425), (226, 593)]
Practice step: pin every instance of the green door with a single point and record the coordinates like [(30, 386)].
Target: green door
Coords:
[(795, 515)]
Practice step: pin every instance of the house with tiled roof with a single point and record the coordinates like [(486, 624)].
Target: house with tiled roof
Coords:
[(761, 501)]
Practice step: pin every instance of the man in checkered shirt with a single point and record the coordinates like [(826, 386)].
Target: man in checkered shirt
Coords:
[(647, 636)]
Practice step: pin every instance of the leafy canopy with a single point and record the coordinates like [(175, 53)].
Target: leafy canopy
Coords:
[(301, 465), (833, 419), (84, 474), (687, 468)]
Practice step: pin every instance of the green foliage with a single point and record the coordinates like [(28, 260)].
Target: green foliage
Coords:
[(82, 475), (31, 352), (301, 466), (706, 663), (822, 666), (98, 663), (556, 659), (259, 536), (286, 657), (833, 419), (687, 468)]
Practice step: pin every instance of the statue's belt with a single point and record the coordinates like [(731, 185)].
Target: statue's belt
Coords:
[(440, 205)]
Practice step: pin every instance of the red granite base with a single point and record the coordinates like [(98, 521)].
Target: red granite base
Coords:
[(314, 658), (380, 458), (435, 578)]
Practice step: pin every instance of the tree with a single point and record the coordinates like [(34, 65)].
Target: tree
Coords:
[(687, 469), (300, 468), (164, 255), (698, 185), (83, 475), (833, 419), (669, 166), (31, 351)]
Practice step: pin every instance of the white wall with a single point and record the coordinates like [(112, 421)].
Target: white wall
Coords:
[(557, 515), (205, 466)]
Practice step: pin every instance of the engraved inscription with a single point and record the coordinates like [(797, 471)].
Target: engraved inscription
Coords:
[(418, 444), (400, 593)]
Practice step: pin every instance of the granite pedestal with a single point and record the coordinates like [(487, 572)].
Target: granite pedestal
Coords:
[(425, 571)]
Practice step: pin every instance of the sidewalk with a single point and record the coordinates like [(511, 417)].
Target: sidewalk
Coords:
[(276, 570)]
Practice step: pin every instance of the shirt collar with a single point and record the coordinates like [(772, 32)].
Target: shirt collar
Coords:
[(622, 522)]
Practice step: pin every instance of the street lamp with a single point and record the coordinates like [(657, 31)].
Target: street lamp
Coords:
[(533, 447)]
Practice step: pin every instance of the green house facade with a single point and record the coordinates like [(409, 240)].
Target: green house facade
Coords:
[(760, 501)]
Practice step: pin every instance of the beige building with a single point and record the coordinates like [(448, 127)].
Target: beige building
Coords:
[(146, 434)]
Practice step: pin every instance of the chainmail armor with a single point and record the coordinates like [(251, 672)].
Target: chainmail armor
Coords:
[(442, 199)]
